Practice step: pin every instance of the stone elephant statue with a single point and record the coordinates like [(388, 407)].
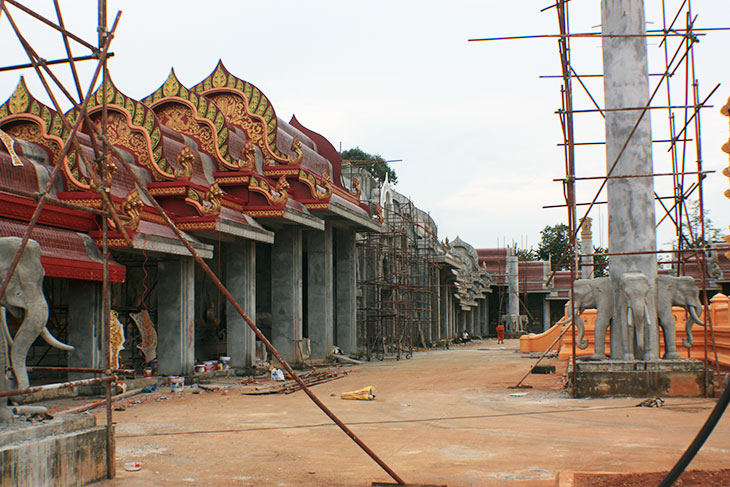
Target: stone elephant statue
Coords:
[(640, 335), (24, 299), (593, 293), (677, 291)]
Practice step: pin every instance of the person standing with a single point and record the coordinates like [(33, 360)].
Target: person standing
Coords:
[(500, 333)]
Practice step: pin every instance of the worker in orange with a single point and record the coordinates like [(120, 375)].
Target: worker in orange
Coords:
[(500, 333)]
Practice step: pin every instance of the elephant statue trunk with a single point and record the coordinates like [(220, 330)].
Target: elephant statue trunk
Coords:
[(693, 318), (581, 342)]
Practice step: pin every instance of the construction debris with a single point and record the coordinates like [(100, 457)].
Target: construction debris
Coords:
[(289, 386), (657, 402)]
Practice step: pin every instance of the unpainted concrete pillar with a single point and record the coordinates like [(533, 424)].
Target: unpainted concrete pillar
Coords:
[(631, 218), (513, 283), (320, 308), (286, 291), (546, 325), (85, 326), (240, 262), (586, 248), (345, 298), (176, 316)]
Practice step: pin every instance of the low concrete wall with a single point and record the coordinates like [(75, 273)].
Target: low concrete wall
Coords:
[(66, 451)]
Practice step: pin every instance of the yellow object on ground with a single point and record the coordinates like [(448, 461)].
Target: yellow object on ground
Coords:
[(364, 394)]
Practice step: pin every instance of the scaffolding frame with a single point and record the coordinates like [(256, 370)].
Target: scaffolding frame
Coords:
[(683, 116), (400, 286)]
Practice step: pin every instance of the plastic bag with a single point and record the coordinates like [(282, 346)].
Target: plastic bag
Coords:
[(277, 374)]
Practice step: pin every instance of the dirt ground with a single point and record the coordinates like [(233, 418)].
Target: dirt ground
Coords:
[(443, 417)]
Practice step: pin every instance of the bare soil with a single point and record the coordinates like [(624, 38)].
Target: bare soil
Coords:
[(690, 478), (443, 417)]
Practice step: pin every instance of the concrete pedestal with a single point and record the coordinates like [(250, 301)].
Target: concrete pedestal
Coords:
[(346, 291), (320, 307), (240, 259), (176, 316), (286, 292), (664, 378), (85, 327), (67, 450)]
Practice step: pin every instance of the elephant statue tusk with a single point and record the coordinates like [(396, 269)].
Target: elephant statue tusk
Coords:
[(54, 342), (693, 318)]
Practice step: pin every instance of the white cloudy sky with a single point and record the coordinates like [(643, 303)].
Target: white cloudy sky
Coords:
[(473, 123)]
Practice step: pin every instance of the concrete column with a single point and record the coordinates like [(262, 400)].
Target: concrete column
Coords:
[(240, 262), (176, 316), (286, 291), (484, 324), (586, 248), (345, 303), (545, 313), (85, 326), (631, 218), (319, 292), (444, 308), (513, 283)]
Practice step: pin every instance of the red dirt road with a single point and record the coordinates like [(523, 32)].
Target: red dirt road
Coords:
[(444, 417)]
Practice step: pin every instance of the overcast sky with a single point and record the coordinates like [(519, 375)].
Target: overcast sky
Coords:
[(472, 122)]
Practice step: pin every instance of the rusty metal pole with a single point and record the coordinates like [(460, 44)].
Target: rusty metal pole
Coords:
[(102, 169), (567, 118)]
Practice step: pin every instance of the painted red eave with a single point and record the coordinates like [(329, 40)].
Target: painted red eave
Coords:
[(323, 148), (65, 254)]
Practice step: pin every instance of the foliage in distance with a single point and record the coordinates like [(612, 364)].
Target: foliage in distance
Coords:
[(372, 163)]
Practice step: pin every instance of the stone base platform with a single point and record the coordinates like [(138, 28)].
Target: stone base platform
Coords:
[(68, 450), (667, 378)]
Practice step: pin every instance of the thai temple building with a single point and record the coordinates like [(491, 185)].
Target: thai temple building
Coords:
[(268, 204)]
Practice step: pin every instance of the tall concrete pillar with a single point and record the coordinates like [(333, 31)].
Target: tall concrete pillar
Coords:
[(444, 309), (346, 286), (513, 291), (586, 248), (176, 316), (240, 262), (286, 291), (85, 326), (631, 218), (545, 313), (439, 308), (319, 291), (483, 317), (513, 284)]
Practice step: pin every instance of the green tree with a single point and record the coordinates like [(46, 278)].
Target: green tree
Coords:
[(554, 242), (692, 229), (372, 163), (525, 254)]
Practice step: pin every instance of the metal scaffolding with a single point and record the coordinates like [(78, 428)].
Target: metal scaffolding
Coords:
[(399, 285)]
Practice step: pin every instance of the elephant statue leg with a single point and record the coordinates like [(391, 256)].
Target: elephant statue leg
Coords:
[(666, 322), (693, 318), (5, 414)]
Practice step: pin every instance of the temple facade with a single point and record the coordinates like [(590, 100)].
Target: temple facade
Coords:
[(265, 202)]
